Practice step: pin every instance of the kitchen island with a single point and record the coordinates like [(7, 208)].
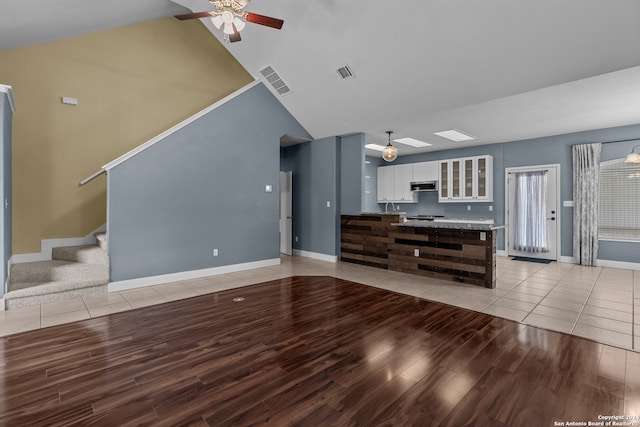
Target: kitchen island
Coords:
[(459, 252)]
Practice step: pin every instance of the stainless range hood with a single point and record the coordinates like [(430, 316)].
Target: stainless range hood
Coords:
[(424, 186)]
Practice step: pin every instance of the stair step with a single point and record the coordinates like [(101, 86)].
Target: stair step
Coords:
[(101, 238), (24, 294), (55, 271), (87, 254)]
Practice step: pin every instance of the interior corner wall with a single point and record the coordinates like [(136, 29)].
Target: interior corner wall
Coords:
[(315, 184), (202, 187), (132, 83)]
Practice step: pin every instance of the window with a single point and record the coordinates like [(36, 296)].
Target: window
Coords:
[(619, 209)]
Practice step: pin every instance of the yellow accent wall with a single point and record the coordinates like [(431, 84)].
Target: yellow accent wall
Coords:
[(132, 83)]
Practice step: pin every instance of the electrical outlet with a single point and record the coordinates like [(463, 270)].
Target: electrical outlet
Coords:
[(215, 252), (490, 208), (468, 207), (296, 238), (416, 252), (328, 204)]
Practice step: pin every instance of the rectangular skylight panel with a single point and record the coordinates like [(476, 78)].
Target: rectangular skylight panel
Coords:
[(412, 142), (455, 135), (374, 147)]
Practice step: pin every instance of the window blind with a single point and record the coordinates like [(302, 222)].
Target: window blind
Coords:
[(619, 208)]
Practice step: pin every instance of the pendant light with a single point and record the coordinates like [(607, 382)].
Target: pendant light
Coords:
[(390, 153), (633, 157)]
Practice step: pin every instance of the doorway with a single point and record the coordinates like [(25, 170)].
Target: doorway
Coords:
[(286, 217), (533, 218)]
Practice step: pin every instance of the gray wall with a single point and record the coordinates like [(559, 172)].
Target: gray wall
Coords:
[(6, 115), (315, 182), (548, 150), (201, 188), (352, 174)]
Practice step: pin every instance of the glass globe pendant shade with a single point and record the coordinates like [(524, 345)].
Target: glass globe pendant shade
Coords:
[(390, 153), (633, 157)]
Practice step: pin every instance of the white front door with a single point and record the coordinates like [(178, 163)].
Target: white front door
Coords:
[(286, 219), (533, 220)]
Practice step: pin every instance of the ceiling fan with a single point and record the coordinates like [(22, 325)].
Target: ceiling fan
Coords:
[(231, 18)]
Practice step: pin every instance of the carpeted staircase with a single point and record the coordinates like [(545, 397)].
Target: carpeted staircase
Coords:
[(74, 271)]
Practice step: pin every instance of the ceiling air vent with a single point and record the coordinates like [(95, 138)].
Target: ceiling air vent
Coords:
[(274, 80), (345, 72)]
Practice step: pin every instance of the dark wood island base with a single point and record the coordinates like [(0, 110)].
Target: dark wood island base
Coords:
[(464, 253)]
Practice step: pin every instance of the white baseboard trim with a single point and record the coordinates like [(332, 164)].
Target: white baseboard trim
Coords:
[(142, 282), (316, 255), (617, 264), (47, 244)]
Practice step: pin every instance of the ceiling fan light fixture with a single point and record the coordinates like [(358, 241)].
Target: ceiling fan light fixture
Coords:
[(228, 28), (633, 157), (227, 17), (239, 23), (390, 153), (230, 17), (217, 21)]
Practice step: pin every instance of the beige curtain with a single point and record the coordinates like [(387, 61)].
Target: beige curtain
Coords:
[(586, 174)]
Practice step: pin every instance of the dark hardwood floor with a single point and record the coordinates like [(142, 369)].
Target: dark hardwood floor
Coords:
[(312, 351)]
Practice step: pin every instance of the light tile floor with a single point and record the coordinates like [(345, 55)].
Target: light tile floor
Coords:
[(602, 304)]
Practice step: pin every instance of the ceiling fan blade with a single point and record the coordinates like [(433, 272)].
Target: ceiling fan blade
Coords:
[(264, 20), (235, 37), (195, 15)]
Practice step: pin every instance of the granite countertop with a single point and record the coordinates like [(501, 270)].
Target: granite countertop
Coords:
[(450, 225), (382, 213)]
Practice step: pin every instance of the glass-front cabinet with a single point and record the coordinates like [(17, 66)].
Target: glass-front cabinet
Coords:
[(444, 180), (466, 180), (480, 173), (450, 180)]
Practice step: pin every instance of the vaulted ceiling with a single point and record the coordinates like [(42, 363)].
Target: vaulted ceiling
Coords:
[(499, 70)]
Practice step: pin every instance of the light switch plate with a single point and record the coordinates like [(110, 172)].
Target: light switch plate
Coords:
[(567, 203)]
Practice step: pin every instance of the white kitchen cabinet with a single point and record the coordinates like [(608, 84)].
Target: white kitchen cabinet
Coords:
[(385, 184), (466, 180), (425, 171), (394, 184), (402, 178)]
